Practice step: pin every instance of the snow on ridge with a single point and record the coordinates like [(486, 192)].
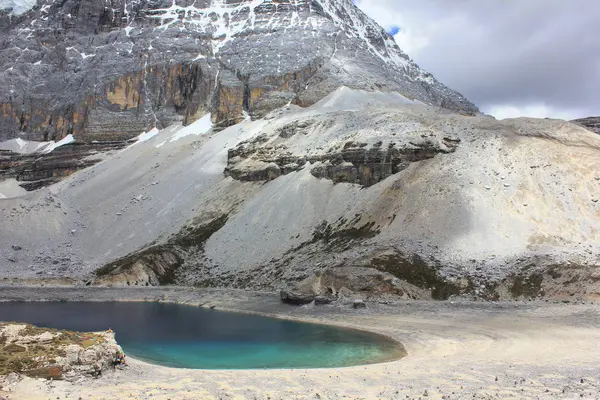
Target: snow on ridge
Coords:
[(54, 145), (225, 27), (147, 135), (362, 26), (144, 137), (18, 6), (197, 128), (21, 146)]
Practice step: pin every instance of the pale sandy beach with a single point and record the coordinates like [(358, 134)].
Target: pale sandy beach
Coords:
[(455, 350)]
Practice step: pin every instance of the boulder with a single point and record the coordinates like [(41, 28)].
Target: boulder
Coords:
[(321, 300), (359, 304), (340, 284), (296, 298)]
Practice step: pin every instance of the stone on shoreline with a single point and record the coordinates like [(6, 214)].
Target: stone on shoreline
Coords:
[(359, 304), (296, 298)]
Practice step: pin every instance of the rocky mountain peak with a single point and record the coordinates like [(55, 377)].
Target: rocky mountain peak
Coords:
[(106, 70)]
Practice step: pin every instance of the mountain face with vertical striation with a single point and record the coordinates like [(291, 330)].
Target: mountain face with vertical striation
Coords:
[(110, 69)]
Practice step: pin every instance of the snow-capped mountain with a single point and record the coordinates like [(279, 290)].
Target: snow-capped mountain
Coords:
[(259, 143), (114, 68)]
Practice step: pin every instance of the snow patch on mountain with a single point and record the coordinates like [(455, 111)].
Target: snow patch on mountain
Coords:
[(54, 145), (17, 7), (199, 127), (22, 146)]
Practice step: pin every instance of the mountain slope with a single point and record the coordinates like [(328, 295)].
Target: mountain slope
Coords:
[(108, 70), (445, 203), (257, 144)]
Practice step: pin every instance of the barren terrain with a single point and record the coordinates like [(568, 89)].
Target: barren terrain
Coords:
[(456, 350)]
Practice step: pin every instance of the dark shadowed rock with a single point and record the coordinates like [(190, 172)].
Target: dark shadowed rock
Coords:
[(296, 298), (321, 300), (591, 123), (359, 304)]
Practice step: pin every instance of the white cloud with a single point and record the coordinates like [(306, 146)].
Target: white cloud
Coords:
[(532, 57), (531, 110)]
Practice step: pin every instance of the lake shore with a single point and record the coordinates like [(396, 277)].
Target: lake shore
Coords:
[(455, 350)]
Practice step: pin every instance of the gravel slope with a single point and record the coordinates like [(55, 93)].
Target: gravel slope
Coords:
[(509, 197)]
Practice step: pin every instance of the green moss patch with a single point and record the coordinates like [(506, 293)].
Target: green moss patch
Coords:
[(38, 359)]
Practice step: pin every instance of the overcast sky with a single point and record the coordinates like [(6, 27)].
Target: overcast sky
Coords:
[(538, 58)]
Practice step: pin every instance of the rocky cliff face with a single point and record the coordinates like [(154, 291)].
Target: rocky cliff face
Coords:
[(36, 170), (110, 69)]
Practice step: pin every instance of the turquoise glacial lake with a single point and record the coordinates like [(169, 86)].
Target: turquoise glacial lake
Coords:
[(183, 336)]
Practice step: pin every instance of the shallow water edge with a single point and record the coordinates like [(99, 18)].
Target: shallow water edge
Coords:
[(233, 301)]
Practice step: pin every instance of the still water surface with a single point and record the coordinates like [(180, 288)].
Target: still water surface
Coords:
[(191, 337)]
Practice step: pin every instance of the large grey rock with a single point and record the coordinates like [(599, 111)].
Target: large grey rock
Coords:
[(332, 284), (296, 298)]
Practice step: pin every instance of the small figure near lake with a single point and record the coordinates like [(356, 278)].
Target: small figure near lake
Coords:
[(119, 360)]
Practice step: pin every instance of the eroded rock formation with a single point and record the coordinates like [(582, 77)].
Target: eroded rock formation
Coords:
[(36, 170), (375, 146), (55, 355)]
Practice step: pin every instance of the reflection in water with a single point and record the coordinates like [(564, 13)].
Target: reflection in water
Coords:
[(191, 337)]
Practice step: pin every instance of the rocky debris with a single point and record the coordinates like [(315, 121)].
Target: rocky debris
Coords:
[(110, 70), (432, 226), (339, 284), (591, 123), (37, 170), (52, 354)]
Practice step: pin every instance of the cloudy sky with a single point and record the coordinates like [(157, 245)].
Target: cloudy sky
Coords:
[(538, 58)]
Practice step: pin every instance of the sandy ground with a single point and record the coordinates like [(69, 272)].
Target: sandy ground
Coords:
[(455, 350)]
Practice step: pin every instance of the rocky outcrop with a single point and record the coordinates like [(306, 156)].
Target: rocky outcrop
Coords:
[(36, 170), (591, 123), (342, 284), (56, 355), (366, 155), (159, 264), (110, 70)]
